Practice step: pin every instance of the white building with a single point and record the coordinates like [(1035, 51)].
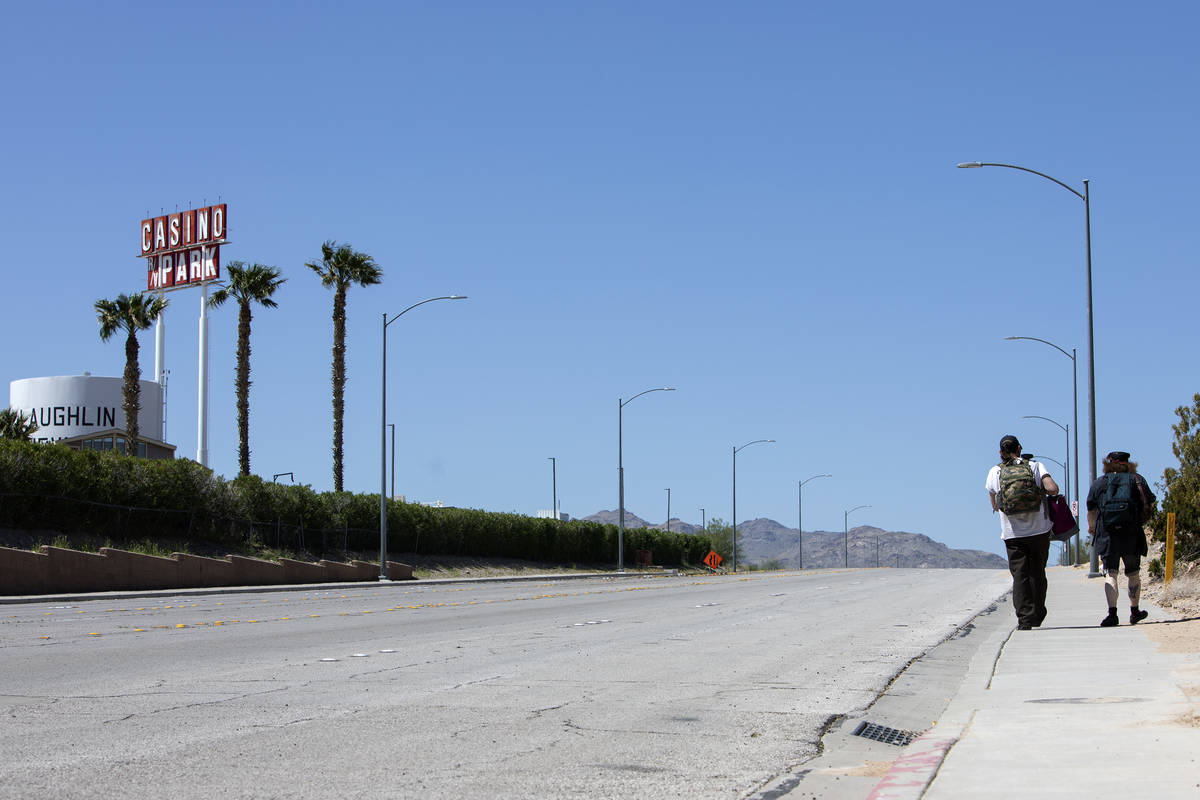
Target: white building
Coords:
[(87, 411)]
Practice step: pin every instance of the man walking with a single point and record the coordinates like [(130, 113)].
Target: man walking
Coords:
[(1018, 490), (1118, 504)]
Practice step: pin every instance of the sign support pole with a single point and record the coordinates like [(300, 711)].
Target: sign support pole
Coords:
[(160, 362), (202, 399)]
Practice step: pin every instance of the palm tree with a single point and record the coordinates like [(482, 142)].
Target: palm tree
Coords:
[(246, 284), (15, 425), (340, 266), (130, 313)]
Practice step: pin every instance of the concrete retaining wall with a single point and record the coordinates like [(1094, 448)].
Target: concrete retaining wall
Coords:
[(54, 570)]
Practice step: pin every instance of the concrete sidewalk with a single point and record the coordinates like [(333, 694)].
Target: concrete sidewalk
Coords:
[(1066, 710)]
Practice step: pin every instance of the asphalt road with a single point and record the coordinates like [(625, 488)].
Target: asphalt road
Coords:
[(660, 687)]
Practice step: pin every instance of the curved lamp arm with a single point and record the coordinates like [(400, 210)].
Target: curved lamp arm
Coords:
[(423, 302), (1043, 341), (639, 394), (1035, 416), (977, 164)]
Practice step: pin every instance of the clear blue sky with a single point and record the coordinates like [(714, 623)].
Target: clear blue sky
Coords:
[(755, 203)]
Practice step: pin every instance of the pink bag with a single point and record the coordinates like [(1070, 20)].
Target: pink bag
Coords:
[(1064, 524)]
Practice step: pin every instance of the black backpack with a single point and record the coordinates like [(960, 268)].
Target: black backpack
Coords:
[(1120, 509)]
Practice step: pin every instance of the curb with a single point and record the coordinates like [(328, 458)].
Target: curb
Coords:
[(310, 587)]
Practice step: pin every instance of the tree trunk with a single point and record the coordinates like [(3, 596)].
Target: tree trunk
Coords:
[(132, 392), (339, 381), (242, 387)]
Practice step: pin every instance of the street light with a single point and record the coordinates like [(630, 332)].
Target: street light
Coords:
[(800, 515), (1067, 430), (621, 474), (279, 475), (553, 487), (1048, 458), (1087, 218), (383, 434), (668, 509), (1075, 395), (735, 452), (1067, 468), (846, 532)]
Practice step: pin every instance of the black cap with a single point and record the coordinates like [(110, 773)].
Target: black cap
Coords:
[(1117, 455), (1010, 444)]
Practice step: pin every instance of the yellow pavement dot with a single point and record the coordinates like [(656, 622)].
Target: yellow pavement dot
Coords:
[(43, 637), (80, 612), (366, 612), (285, 617), (218, 622), (314, 615), (139, 630), (251, 620), (181, 625), (93, 634)]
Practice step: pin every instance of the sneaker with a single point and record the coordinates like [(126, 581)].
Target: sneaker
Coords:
[(1137, 616), (1024, 626), (1110, 621), (1037, 623)]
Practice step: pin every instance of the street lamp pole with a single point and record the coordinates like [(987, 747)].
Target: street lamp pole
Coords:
[(846, 532), (1091, 353), (621, 474), (800, 516), (1067, 467), (1066, 429), (383, 434), (392, 425), (553, 487), (735, 452), (1074, 405), (668, 509)]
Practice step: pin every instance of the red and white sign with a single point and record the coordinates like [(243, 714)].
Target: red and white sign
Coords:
[(184, 247)]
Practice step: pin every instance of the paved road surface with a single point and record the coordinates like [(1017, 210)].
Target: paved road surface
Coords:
[(660, 687)]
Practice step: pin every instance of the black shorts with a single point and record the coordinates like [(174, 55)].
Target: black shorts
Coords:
[(1133, 564)]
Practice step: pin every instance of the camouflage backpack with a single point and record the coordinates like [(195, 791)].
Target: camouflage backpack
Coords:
[(1020, 492)]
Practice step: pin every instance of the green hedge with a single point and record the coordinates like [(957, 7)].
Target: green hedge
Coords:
[(51, 487)]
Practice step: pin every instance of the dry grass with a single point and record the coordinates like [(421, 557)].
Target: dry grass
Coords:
[(1182, 594)]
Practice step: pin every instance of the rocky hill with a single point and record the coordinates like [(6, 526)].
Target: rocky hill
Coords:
[(763, 539)]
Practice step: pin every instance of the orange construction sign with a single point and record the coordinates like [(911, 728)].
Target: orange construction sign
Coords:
[(713, 560)]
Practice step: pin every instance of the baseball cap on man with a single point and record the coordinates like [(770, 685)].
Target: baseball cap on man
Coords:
[(1117, 455), (1010, 444)]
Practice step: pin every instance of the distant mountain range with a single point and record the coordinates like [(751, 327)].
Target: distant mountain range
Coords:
[(764, 539)]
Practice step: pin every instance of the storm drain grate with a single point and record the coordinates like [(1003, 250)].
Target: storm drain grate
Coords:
[(882, 733)]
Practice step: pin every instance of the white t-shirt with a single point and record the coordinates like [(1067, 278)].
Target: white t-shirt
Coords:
[(1028, 523)]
